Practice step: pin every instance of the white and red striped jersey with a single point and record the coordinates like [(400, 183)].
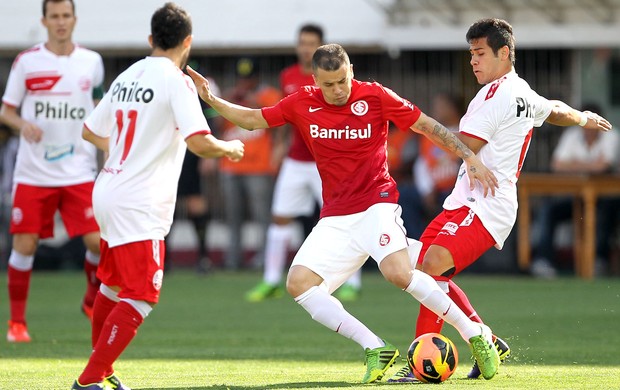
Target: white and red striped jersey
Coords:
[(503, 114), (148, 112), (55, 93)]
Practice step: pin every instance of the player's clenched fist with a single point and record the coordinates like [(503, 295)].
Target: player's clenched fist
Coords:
[(235, 153)]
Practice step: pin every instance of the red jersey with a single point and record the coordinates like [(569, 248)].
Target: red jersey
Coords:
[(291, 79), (349, 142)]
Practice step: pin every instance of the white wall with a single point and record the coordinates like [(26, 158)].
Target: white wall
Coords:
[(260, 24)]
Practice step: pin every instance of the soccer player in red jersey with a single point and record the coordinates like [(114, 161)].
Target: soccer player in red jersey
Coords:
[(52, 87), (345, 123), (498, 126), (146, 121), (298, 188)]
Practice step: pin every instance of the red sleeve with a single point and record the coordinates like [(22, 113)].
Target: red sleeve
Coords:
[(398, 110), (277, 114), (273, 116)]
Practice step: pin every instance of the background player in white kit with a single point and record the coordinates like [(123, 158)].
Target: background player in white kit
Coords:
[(298, 188), (345, 122), (53, 84), (498, 126), (145, 121)]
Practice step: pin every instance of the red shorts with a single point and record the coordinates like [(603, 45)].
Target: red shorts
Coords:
[(461, 232), (34, 208), (137, 268)]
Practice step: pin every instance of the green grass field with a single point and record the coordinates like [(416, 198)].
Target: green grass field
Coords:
[(564, 334)]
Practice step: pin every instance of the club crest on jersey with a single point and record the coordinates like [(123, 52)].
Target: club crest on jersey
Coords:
[(359, 107), (450, 228), (384, 239), (84, 84)]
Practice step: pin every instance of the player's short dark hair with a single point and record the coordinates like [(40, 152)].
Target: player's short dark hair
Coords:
[(498, 33), (170, 25), (330, 57), (312, 29), (56, 1)]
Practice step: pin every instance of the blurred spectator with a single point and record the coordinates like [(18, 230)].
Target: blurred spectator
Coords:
[(579, 151), (248, 184)]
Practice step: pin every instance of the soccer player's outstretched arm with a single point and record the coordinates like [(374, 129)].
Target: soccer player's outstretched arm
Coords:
[(445, 139), (564, 115), (247, 118), (207, 146)]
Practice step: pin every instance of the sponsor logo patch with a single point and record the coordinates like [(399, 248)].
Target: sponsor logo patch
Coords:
[(450, 228)]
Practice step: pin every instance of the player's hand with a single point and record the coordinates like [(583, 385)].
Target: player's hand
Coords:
[(201, 83), (476, 170), (596, 122), (235, 151), (31, 132)]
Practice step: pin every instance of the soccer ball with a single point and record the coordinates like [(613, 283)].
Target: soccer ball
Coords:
[(432, 358)]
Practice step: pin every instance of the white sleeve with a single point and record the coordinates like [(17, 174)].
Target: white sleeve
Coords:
[(542, 109), (101, 120), (486, 114), (16, 85), (99, 72), (186, 106)]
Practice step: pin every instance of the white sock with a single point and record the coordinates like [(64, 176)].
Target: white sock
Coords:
[(426, 290), (328, 311), (21, 262), (276, 251), (92, 257)]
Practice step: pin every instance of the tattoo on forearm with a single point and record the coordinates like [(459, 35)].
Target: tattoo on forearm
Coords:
[(451, 141)]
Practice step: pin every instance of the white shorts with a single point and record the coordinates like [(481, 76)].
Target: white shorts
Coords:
[(338, 246), (298, 189)]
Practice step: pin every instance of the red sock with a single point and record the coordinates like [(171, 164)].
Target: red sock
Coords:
[(118, 330), (428, 322), (102, 308), (461, 300), (18, 283), (92, 283)]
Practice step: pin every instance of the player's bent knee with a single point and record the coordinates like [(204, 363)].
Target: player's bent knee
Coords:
[(300, 279), (396, 270), (437, 261)]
